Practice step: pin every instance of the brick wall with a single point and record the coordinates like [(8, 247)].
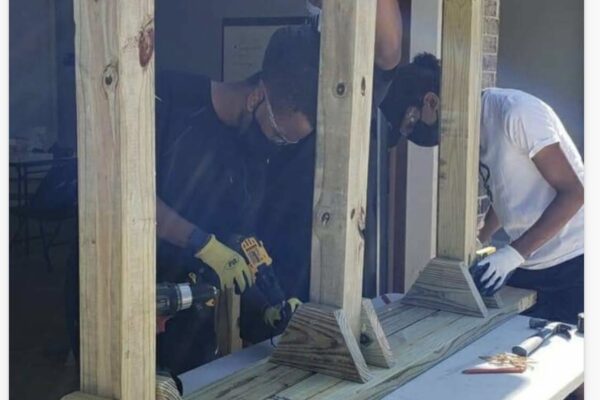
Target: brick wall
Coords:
[(490, 42)]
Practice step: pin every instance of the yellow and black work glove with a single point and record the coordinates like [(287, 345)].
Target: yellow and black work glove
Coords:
[(230, 266), (273, 314)]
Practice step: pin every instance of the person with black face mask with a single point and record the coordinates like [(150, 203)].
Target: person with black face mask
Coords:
[(409, 103), (534, 175)]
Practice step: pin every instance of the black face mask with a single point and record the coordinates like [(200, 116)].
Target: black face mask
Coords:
[(425, 135), (256, 142)]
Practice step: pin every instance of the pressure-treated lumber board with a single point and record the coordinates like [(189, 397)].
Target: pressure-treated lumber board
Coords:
[(114, 43), (460, 119), (373, 342), (82, 396), (343, 123), (406, 315), (426, 343), (446, 284), (227, 315), (453, 289), (318, 338), (263, 380), (494, 301), (423, 342), (309, 388)]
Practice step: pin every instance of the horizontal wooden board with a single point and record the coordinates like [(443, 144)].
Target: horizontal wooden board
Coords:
[(429, 337), (82, 396)]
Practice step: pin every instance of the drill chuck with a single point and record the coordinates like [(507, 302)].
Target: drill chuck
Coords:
[(172, 298)]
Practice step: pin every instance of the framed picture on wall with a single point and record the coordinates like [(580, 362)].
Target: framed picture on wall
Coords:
[(245, 41)]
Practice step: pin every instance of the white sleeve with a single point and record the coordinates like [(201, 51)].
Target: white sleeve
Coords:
[(532, 127)]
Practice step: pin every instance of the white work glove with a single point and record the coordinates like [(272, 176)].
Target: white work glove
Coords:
[(491, 273)]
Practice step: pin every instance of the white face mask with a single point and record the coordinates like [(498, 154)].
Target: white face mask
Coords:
[(315, 12)]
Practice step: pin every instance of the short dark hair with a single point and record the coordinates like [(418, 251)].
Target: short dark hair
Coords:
[(290, 70), (411, 83), (424, 74)]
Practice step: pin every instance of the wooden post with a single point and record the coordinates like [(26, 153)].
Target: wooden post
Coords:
[(322, 335), (341, 166), (227, 322), (445, 283), (114, 44)]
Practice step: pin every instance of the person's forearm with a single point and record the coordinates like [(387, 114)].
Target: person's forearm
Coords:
[(388, 34), (558, 213), (490, 226), (171, 227)]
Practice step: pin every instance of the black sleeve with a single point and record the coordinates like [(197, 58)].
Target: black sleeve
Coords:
[(382, 79), (176, 93)]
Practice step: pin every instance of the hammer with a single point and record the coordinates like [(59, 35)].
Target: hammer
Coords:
[(546, 329)]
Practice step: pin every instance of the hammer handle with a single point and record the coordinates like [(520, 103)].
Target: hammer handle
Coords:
[(528, 346)]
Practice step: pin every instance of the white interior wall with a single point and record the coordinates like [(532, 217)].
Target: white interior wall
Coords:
[(189, 32), (421, 186)]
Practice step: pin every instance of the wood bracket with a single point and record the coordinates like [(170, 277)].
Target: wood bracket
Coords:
[(494, 301), (373, 342), (447, 285), (319, 338)]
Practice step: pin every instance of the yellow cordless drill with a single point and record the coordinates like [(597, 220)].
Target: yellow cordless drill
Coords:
[(260, 264)]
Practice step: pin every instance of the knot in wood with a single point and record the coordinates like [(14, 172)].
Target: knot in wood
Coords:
[(363, 86), (361, 223), (325, 217), (365, 340), (110, 76), (362, 219), (340, 89)]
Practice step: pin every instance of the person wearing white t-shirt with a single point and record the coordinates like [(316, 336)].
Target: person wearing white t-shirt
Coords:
[(534, 177)]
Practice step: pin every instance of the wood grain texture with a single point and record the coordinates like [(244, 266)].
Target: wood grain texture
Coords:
[(309, 388), (405, 315), (227, 315), (417, 347), (424, 344), (373, 342), (166, 388), (460, 120), (446, 284), (261, 382), (494, 301), (114, 42), (343, 123), (82, 396), (319, 339)]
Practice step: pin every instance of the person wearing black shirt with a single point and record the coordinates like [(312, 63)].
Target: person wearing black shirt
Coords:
[(286, 215), (214, 143), (223, 153)]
